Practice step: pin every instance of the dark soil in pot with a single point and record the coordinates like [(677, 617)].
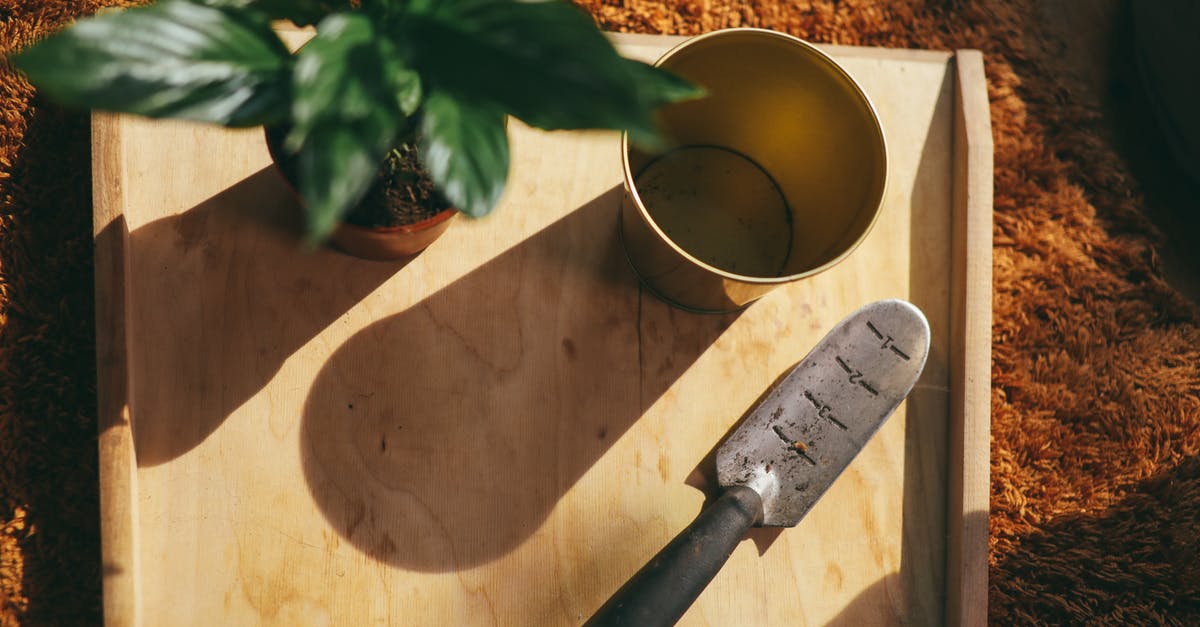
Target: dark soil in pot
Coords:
[(402, 194)]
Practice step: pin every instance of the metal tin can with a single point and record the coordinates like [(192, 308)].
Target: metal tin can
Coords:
[(777, 174)]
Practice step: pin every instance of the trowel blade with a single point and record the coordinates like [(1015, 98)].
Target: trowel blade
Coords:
[(809, 426)]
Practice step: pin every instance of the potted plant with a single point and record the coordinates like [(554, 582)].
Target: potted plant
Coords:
[(389, 99)]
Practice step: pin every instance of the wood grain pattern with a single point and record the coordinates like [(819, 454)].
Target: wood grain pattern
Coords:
[(503, 429)]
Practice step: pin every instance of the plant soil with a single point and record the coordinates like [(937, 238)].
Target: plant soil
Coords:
[(402, 193)]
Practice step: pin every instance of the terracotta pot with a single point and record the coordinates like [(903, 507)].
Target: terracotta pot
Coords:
[(380, 243), (383, 243)]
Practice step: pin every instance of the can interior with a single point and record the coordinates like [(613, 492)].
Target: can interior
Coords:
[(797, 116)]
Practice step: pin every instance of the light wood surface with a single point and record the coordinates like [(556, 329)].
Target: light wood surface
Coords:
[(118, 470), (971, 366), (504, 429)]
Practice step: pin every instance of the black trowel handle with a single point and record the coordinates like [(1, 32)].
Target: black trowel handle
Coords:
[(666, 586)]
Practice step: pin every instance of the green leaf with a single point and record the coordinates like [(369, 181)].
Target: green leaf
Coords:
[(653, 88), (335, 167), (465, 148), (324, 85), (543, 61), (174, 59), (349, 73), (405, 84), (382, 8), (299, 12), (350, 89)]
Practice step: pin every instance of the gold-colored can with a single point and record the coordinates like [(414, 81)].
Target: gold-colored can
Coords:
[(777, 174)]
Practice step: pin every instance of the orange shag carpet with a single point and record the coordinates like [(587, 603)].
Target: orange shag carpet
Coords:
[(1096, 361)]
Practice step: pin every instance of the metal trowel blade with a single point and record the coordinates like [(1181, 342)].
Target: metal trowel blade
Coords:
[(804, 432)]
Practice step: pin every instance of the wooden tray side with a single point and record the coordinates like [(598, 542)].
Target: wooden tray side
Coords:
[(117, 465), (971, 334), (238, 520)]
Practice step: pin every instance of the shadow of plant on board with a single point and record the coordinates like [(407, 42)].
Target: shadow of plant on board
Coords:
[(442, 437)]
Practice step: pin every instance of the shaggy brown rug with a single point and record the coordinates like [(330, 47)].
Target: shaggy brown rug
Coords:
[(1096, 382)]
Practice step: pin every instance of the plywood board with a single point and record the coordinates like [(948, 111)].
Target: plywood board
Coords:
[(505, 428)]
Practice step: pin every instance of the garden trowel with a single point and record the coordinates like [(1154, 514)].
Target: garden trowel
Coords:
[(786, 453)]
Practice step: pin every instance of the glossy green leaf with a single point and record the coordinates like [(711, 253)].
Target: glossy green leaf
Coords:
[(348, 73), (465, 148), (653, 88), (543, 61), (330, 80), (174, 59), (382, 9), (299, 12), (335, 167), (345, 114), (405, 86)]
